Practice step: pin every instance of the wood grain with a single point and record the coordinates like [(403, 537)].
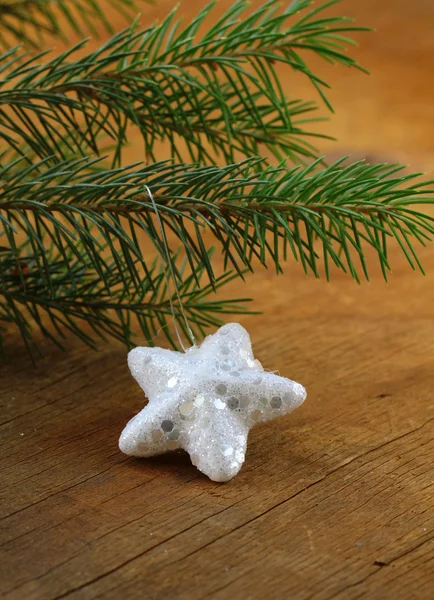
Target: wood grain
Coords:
[(335, 501)]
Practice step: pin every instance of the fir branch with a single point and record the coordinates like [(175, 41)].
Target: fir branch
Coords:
[(31, 21), (109, 301), (218, 94), (221, 88), (249, 213)]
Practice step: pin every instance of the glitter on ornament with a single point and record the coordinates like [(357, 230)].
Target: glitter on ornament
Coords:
[(203, 404)]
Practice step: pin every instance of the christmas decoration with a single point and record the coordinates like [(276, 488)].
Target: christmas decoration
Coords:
[(205, 401)]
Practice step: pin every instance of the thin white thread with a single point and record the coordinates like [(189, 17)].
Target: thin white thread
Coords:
[(173, 278)]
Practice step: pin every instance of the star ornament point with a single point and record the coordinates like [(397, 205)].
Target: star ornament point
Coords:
[(205, 401)]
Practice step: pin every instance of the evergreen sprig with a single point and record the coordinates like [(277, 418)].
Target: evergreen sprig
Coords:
[(247, 212), (218, 93), (107, 300), (73, 223), (31, 21)]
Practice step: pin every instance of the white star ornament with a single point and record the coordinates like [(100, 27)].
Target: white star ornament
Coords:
[(205, 401)]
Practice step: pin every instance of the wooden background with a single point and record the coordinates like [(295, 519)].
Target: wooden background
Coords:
[(334, 501)]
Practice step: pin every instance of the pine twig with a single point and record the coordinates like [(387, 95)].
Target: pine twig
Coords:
[(30, 22), (248, 213), (109, 301), (221, 88)]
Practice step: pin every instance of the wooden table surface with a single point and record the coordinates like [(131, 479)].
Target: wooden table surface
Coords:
[(334, 501)]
